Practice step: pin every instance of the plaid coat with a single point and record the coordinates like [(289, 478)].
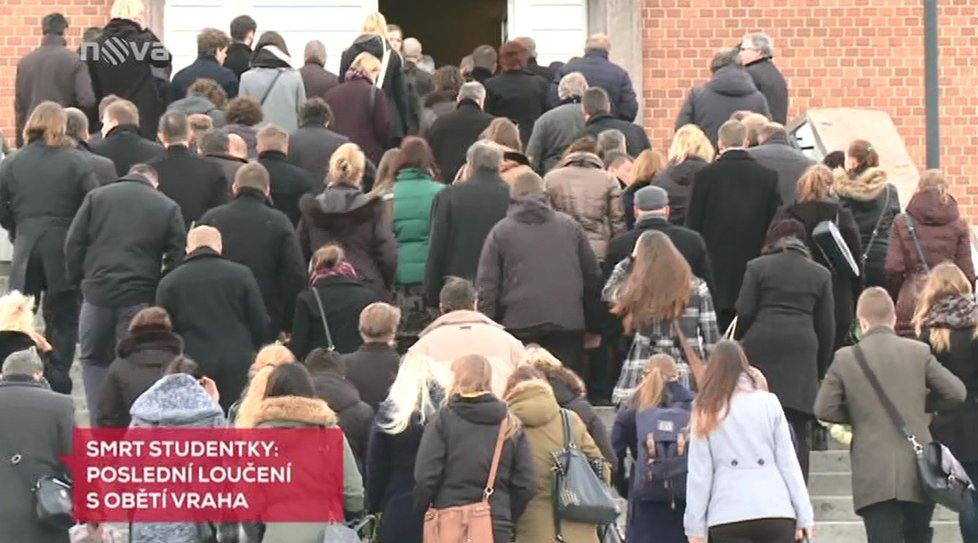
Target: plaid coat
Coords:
[(698, 323)]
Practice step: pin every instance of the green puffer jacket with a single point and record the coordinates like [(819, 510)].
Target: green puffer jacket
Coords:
[(413, 193)]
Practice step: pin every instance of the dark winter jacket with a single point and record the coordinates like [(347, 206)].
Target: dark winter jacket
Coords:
[(343, 300), (553, 133), (35, 423), (636, 140), (125, 148), (119, 239), (355, 416), (731, 205), (537, 270), (288, 183), (461, 217), (519, 95), (141, 358), (777, 154), (216, 306), (353, 117), (414, 192), (455, 455), (255, 234), (132, 78), (195, 184), (786, 323), (677, 181), (372, 369), (943, 236), (601, 72), (205, 67), (102, 167), (709, 106), (41, 190), (453, 133), (230, 165), (395, 91), (543, 71), (317, 80), (435, 105), (50, 72), (310, 148), (346, 216), (769, 80), (688, 242), (198, 103), (874, 204), (238, 59), (249, 134)]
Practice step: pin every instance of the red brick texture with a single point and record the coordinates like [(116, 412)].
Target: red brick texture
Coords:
[(834, 53)]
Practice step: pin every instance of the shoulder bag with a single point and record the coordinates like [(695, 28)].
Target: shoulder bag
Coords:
[(322, 314), (943, 479), (579, 495), (876, 229), (913, 285), (51, 493), (828, 239), (278, 74), (470, 523)]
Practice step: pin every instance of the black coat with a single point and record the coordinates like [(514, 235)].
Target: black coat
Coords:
[(689, 243), (41, 189), (731, 206), (461, 217), (238, 59), (343, 300), (786, 324), (956, 427), (389, 478), (195, 184), (372, 369), (310, 148), (355, 416), (141, 358), (35, 423), (455, 455), (394, 88), (779, 155), (205, 67), (601, 72), (453, 133), (288, 183), (317, 80), (873, 202), (12, 341), (103, 168), (216, 307), (769, 80), (519, 95), (677, 181), (133, 78), (709, 106), (119, 239), (636, 140), (255, 234), (125, 148), (543, 71)]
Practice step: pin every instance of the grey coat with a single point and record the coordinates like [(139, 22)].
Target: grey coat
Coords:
[(281, 107), (777, 154), (883, 463), (200, 104), (553, 132)]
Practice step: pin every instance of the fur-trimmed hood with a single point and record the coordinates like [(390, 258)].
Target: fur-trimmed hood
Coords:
[(864, 187), (567, 386), (294, 411), (533, 402), (149, 338)]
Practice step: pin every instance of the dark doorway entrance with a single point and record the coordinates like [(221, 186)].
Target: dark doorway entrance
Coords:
[(448, 29)]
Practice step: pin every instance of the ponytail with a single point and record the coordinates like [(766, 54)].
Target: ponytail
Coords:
[(651, 391), (346, 165), (327, 257)]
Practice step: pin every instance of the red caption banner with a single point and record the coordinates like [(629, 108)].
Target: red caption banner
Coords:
[(207, 475)]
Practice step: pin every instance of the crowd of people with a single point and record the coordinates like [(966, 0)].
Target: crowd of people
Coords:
[(455, 265)]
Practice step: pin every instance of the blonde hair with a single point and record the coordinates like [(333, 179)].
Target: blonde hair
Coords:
[(815, 184), (411, 393), (934, 179), (503, 132), (326, 258), (651, 391), (127, 9), (646, 165), (944, 281), (269, 358), (537, 356), (47, 122), (375, 23), (690, 141), (379, 321), (17, 312), (346, 165), (760, 381), (365, 63)]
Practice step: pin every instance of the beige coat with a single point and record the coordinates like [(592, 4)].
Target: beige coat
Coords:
[(883, 464), (464, 332)]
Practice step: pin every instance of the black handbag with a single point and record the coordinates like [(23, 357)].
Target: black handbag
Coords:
[(941, 475), (579, 494), (51, 493), (828, 239)]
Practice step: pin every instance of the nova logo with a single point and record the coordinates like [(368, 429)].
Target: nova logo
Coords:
[(116, 51)]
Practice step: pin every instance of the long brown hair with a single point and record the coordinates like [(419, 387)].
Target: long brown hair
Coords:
[(384, 178), (651, 392), (659, 285), (646, 165), (934, 179), (864, 154), (47, 123), (723, 372), (473, 376), (944, 281), (815, 184)]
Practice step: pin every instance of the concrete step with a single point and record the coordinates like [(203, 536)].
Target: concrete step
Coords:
[(830, 462), (830, 484), (840, 508), (854, 532)]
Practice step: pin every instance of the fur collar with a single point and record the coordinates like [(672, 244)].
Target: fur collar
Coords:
[(864, 187), (561, 377), (312, 411), (149, 338)]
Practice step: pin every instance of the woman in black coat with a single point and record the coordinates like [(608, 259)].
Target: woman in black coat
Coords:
[(395, 438), (786, 324), (874, 203), (814, 205), (690, 152), (516, 92)]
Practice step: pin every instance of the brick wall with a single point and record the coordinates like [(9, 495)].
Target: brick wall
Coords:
[(834, 53), (21, 24)]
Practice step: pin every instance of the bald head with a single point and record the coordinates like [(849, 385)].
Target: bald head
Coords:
[(237, 146), (204, 236), (315, 52), (411, 49)]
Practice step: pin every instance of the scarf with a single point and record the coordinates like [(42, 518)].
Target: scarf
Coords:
[(356, 74), (343, 270), (953, 312)]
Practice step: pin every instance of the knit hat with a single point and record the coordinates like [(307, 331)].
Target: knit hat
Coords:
[(651, 198)]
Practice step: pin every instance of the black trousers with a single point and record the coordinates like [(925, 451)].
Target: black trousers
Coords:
[(60, 313), (898, 522), (567, 346), (801, 424), (764, 530)]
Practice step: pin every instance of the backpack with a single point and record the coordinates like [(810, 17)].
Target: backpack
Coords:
[(662, 465)]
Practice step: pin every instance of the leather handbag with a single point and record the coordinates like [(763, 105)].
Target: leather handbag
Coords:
[(579, 495), (51, 494), (942, 477), (828, 239), (470, 523)]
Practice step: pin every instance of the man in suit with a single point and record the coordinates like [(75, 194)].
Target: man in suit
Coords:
[(313, 143), (288, 181), (451, 135), (774, 151), (121, 142), (76, 128), (886, 488), (731, 205), (598, 118), (261, 237), (192, 182)]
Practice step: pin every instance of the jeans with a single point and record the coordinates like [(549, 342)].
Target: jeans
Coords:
[(765, 530), (898, 522), (99, 331), (968, 520)]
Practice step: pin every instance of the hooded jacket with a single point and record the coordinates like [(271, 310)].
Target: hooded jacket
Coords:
[(281, 104), (677, 180), (354, 416), (731, 89), (872, 200), (197, 103), (514, 164)]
